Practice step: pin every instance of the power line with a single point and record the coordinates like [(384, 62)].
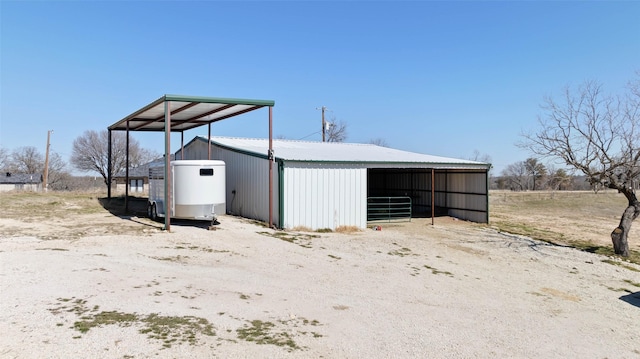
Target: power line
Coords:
[(311, 134)]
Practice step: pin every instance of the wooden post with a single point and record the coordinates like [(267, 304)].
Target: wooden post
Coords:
[(45, 176)]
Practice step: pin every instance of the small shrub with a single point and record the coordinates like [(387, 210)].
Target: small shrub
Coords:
[(347, 229), (301, 229)]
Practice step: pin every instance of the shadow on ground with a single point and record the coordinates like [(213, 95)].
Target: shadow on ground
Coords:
[(633, 299), (137, 207)]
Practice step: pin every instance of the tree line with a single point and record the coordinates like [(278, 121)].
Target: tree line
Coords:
[(533, 175), (89, 154)]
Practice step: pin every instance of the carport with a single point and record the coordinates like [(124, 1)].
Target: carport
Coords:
[(176, 113)]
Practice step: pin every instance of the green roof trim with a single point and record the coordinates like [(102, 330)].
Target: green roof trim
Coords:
[(230, 101), (238, 150)]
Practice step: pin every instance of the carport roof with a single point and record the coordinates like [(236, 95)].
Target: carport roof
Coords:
[(187, 112)]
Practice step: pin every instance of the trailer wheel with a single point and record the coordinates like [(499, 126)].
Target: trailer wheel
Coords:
[(152, 212)]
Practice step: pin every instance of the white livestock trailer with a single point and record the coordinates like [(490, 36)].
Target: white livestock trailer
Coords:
[(197, 190)]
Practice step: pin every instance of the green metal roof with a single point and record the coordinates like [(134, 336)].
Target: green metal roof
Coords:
[(187, 112)]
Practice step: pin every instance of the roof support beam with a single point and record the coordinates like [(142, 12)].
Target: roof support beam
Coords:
[(160, 118), (433, 199), (181, 145), (271, 158), (167, 166), (240, 113), (126, 175), (209, 141), (109, 167), (192, 119)]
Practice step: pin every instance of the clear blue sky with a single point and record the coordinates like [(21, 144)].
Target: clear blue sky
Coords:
[(442, 78)]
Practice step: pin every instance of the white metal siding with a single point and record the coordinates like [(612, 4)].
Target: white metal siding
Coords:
[(247, 181), (324, 196), (248, 185)]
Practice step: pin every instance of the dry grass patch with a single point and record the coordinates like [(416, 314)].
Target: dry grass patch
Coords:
[(302, 239), (45, 205), (347, 229), (69, 215), (579, 219), (167, 329), (560, 294), (301, 229), (282, 333)]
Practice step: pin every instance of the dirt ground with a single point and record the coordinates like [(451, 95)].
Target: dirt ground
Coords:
[(78, 280)]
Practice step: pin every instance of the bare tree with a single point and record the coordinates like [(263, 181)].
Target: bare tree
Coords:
[(58, 173), (143, 156), (337, 131), (5, 158), (29, 160), (599, 135), (379, 142), (516, 176), (90, 153), (26, 160), (478, 157), (536, 170), (559, 179)]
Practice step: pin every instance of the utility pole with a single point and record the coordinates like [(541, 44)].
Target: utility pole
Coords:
[(324, 125), (45, 176)]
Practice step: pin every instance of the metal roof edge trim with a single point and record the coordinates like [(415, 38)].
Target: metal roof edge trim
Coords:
[(197, 138), (440, 164), (237, 150), (235, 101)]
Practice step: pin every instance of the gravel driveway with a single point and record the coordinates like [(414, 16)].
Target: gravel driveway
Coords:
[(453, 290)]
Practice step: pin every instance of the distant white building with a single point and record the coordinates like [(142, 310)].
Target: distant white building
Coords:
[(20, 182), (328, 185)]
